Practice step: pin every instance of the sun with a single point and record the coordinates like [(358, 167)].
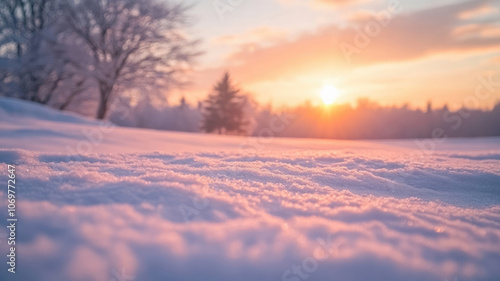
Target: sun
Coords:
[(329, 94)]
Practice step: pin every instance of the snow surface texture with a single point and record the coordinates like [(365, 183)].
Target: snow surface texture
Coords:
[(105, 203)]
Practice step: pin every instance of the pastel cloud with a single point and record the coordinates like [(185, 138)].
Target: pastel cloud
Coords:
[(337, 3), (324, 3), (256, 35), (483, 10), (406, 37)]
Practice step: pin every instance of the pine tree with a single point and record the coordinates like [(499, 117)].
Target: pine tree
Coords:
[(223, 109)]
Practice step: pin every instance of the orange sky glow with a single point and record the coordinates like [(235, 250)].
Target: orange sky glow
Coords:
[(393, 52)]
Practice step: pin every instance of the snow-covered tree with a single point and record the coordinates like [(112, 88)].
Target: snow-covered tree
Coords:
[(224, 109), (131, 44), (33, 65)]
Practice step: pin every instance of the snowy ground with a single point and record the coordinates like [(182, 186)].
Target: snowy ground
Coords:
[(104, 203)]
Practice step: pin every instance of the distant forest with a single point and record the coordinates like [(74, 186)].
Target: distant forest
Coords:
[(366, 120)]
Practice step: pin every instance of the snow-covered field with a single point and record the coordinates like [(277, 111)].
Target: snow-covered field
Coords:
[(98, 202)]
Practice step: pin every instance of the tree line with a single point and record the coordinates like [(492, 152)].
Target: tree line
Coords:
[(364, 120)]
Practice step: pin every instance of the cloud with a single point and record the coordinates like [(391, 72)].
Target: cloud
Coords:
[(360, 16), (495, 60), (324, 3), (256, 35), (407, 37), (338, 2), (477, 30), (480, 11)]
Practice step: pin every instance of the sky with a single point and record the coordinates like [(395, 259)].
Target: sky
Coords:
[(284, 52)]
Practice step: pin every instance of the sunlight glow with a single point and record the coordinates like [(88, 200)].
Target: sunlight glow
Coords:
[(329, 94)]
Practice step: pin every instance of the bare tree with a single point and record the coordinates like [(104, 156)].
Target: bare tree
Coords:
[(22, 23), (32, 63), (20, 20), (131, 44)]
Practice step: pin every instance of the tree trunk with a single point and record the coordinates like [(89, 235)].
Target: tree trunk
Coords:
[(101, 110), (104, 94)]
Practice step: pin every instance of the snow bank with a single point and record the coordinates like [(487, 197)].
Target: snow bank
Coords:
[(12, 109), (148, 205)]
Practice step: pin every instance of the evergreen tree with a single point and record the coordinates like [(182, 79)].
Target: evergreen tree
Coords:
[(223, 109), (183, 103)]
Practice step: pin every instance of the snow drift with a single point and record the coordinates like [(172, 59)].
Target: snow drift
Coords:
[(100, 202)]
